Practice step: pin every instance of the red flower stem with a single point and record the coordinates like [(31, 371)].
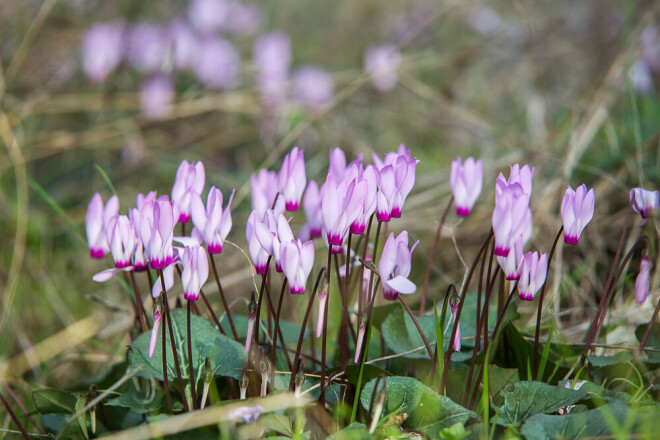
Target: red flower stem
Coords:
[(464, 289), (325, 327), (175, 355), (277, 323), (259, 301), (163, 345), (359, 280), (590, 337), (191, 369), (434, 247), (142, 316), (22, 407), (539, 313), (222, 296), (213, 315), (271, 311), (13, 416), (301, 337), (419, 329)]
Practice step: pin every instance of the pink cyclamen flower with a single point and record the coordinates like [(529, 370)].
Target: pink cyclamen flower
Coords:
[(518, 175), (211, 222), (195, 271), (532, 274), (371, 176), (189, 181), (185, 44), (391, 156), (156, 97), (121, 239), (218, 65), (645, 202), (139, 261), (158, 317), (397, 178), (95, 224), (102, 50), (340, 202), (466, 181), (457, 338), (313, 87), (272, 233), (148, 46), (642, 281), (297, 259), (258, 254), (157, 232), (272, 58), (263, 191), (338, 164), (511, 218), (511, 263), (577, 210), (312, 206), (382, 63), (394, 266), (292, 179)]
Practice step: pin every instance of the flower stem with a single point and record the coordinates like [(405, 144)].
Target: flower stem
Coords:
[(419, 329), (13, 416), (172, 343), (210, 309), (427, 277), (303, 326), (590, 337), (191, 369), (166, 383), (277, 324), (260, 298), (142, 316), (222, 296), (535, 363), (325, 328)]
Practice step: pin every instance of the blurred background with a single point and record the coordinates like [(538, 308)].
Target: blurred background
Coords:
[(130, 89)]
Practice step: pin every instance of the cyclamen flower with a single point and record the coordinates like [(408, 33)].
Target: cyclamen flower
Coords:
[(121, 239), (257, 253), (371, 176), (642, 281), (313, 87), (338, 164), (457, 338), (577, 210), (297, 259), (396, 181), (272, 57), (218, 65), (264, 191), (381, 63), (189, 181), (312, 206), (139, 261), (211, 222), (156, 97), (511, 263), (273, 232), (185, 44), (339, 208), (208, 16), (532, 274), (95, 224), (158, 317), (147, 47), (391, 156), (517, 175), (466, 181), (292, 179), (195, 271), (394, 266), (645, 202), (511, 219), (157, 232), (102, 50)]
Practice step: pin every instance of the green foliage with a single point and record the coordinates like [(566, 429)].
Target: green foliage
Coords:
[(226, 355), (621, 357)]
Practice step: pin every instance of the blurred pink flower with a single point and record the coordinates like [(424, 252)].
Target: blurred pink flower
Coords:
[(577, 210), (157, 97), (148, 47), (218, 64), (272, 57), (645, 202), (189, 181), (208, 16), (312, 206), (381, 63), (642, 281), (532, 275), (242, 19), (185, 44), (263, 192), (394, 266), (102, 50), (313, 87), (96, 220), (466, 181)]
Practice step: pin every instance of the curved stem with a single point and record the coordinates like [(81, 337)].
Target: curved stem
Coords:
[(535, 364), (191, 368), (222, 296), (419, 329), (427, 277), (277, 323)]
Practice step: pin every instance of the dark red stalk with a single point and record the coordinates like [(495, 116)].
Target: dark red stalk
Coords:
[(222, 296), (163, 345), (539, 313), (325, 327), (22, 407), (419, 329), (277, 323), (13, 416), (434, 247), (142, 316), (213, 315), (310, 303), (259, 301), (464, 289), (590, 337), (191, 369)]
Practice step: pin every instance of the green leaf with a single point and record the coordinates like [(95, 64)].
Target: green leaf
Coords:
[(456, 432), (524, 399), (498, 379), (278, 423), (140, 402), (401, 335), (354, 431), (427, 410), (370, 372), (621, 357), (653, 341), (54, 401), (226, 355)]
